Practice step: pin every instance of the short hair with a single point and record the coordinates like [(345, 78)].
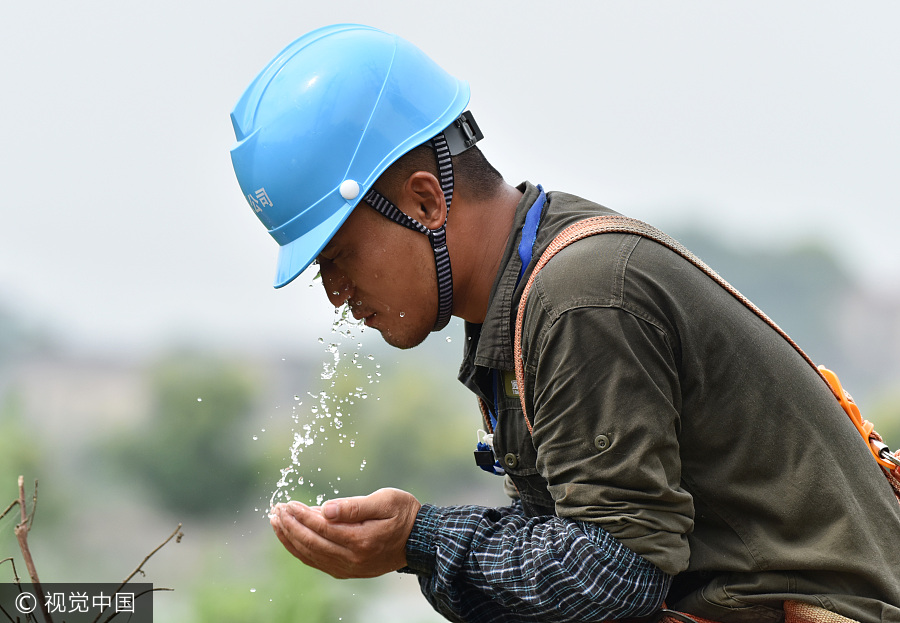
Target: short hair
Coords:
[(473, 176)]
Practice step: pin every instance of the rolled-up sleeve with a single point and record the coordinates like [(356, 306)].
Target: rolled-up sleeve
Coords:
[(606, 402)]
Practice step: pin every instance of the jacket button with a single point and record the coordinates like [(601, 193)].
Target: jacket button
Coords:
[(511, 460), (601, 442)]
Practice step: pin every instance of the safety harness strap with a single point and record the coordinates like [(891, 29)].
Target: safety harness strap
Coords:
[(794, 612), (622, 224)]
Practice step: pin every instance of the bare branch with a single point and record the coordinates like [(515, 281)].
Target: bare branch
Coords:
[(9, 508), (21, 532), (177, 532), (15, 573), (18, 585), (22, 497), (33, 505)]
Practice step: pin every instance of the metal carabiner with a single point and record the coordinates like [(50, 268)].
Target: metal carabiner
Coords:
[(884, 452)]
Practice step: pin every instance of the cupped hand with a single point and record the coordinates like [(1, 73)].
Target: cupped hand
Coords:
[(357, 537)]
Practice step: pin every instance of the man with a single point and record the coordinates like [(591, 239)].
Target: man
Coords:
[(673, 445)]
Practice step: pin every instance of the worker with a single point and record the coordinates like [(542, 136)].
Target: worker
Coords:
[(667, 450)]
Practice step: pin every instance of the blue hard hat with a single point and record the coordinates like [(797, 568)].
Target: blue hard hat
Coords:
[(323, 120)]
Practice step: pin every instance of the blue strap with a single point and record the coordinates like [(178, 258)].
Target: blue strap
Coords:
[(497, 388), (529, 231), (496, 468), (526, 250)]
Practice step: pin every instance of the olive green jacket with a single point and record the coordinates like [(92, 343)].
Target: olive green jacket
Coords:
[(670, 414)]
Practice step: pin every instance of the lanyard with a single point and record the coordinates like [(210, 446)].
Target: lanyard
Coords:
[(529, 232), (526, 251)]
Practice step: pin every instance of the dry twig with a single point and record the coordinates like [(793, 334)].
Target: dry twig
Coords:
[(11, 561), (177, 532), (21, 532)]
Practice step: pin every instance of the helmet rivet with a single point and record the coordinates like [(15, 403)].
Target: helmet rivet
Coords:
[(349, 190)]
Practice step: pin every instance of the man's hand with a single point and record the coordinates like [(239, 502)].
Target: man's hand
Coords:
[(360, 537)]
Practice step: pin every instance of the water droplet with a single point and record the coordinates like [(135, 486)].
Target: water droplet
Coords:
[(402, 314), (255, 437), (449, 339), (199, 399), (252, 590)]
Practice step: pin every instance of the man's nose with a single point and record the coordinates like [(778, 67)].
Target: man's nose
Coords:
[(338, 286)]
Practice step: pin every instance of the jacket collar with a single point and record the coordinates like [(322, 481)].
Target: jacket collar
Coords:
[(490, 344)]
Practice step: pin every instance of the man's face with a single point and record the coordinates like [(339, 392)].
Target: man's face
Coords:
[(385, 273)]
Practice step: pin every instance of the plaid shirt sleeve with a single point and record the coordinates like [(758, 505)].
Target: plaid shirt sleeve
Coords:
[(485, 564)]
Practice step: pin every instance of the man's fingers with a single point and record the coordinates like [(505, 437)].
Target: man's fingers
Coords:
[(383, 504), (298, 530), (346, 510), (350, 537), (278, 527), (307, 527)]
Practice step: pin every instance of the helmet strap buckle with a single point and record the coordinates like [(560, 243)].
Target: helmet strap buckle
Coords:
[(462, 133)]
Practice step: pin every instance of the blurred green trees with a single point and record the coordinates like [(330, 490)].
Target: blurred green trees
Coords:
[(283, 591), (20, 448), (190, 454)]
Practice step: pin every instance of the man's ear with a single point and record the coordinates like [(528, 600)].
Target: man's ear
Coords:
[(423, 197)]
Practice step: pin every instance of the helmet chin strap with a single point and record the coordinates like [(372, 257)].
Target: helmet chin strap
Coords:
[(459, 136), (437, 237)]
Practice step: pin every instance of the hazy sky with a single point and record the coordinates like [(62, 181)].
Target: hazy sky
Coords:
[(123, 224)]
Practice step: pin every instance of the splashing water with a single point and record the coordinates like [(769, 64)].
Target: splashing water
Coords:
[(326, 414)]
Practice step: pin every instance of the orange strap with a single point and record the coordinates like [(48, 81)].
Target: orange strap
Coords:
[(624, 224), (794, 612)]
